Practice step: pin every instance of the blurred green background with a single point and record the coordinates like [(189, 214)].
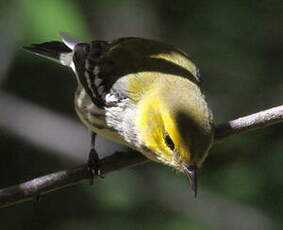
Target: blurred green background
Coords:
[(238, 47)]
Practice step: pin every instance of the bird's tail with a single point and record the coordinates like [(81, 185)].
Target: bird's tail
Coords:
[(61, 52)]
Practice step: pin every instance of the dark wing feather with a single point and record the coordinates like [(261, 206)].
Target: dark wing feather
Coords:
[(86, 60)]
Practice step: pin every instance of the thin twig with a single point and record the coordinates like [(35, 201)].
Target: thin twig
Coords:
[(248, 123), (40, 186)]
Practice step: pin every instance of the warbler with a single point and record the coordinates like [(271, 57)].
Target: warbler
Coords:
[(141, 93)]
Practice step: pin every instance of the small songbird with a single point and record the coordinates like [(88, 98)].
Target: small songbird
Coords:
[(141, 93)]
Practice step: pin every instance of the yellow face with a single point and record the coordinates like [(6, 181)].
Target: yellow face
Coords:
[(167, 134), (175, 125), (176, 133)]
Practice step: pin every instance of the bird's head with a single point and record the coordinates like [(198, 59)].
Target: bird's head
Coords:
[(175, 126)]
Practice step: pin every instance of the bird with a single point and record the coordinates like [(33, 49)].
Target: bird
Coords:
[(141, 93)]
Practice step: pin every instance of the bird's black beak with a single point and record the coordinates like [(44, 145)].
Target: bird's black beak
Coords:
[(191, 173)]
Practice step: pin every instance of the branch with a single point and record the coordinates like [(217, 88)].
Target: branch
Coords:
[(248, 123), (36, 188), (40, 186)]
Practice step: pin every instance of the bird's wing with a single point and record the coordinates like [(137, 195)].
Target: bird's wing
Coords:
[(100, 64), (90, 70)]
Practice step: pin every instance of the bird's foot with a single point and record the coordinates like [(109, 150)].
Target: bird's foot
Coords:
[(94, 165)]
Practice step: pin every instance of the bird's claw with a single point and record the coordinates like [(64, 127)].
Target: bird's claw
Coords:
[(94, 165)]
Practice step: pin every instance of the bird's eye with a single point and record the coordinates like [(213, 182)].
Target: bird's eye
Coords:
[(169, 142)]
